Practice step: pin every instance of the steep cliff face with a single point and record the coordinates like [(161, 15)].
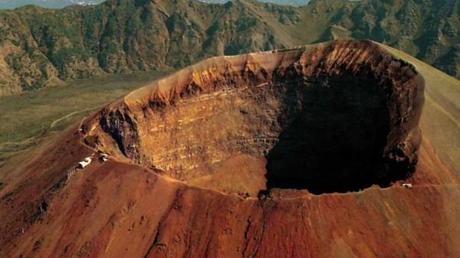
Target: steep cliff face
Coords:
[(334, 117), (207, 163), (42, 47)]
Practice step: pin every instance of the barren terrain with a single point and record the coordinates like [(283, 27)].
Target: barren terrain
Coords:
[(295, 153)]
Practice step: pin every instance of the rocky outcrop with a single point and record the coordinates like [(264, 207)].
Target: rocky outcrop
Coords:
[(123, 129)]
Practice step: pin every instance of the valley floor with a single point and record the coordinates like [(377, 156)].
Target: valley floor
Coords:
[(32, 116)]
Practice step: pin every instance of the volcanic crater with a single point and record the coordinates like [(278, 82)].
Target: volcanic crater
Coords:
[(332, 117)]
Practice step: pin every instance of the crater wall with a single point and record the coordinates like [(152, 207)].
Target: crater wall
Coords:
[(332, 117)]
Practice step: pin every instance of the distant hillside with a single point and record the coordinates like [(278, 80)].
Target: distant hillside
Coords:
[(41, 47), (285, 2), (10, 4)]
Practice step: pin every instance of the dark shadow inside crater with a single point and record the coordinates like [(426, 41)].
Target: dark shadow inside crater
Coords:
[(323, 121), (334, 137)]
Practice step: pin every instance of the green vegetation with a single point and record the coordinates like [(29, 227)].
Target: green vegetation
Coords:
[(29, 117), (51, 46)]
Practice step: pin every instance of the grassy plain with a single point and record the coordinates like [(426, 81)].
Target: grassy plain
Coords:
[(28, 118)]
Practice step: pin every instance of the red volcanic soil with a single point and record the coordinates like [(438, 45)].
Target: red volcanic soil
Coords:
[(297, 153)]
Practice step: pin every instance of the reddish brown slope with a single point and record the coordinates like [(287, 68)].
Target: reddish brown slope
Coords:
[(114, 210), (121, 209)]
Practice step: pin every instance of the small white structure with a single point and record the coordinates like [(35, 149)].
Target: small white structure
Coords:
[(84, 163), (407, 185), (104, 157)]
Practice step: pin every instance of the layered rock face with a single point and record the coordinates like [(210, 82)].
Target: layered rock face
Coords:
[(333, 117)]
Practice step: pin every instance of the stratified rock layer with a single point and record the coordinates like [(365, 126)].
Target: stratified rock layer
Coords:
[(253, 115), (331, 117)]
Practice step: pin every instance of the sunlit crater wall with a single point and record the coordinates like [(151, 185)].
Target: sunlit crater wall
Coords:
[(338, 116)]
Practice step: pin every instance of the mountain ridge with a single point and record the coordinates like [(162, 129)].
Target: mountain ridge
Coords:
[(42, 47), (6, 4)]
